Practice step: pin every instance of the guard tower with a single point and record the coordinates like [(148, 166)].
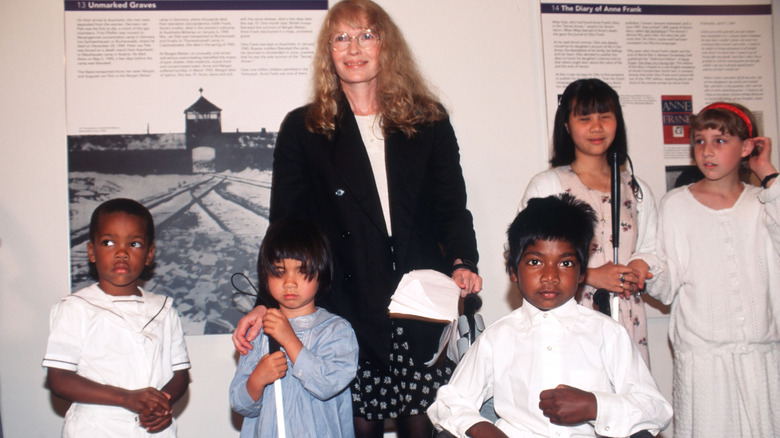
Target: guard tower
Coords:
[(203, 119), (203, 128)]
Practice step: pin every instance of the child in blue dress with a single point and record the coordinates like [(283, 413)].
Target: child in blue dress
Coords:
[(319, 349)]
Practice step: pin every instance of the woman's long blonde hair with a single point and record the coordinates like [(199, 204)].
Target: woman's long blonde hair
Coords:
[(404, 97)]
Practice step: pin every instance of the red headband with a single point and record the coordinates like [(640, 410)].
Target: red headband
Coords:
[(735, 110)]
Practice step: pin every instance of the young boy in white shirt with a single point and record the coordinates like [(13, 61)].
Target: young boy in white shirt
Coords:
[(553, 368), (115, 350)]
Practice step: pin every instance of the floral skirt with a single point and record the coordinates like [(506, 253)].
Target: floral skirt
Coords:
[(404, 387)]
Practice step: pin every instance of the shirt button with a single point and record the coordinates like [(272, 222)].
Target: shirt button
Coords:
[(549, 348)]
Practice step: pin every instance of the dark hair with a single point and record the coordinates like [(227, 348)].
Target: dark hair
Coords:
[(299, 240), (559, 217), (583, 97), (126, 206)]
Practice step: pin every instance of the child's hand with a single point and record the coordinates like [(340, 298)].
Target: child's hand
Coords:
[(642, 269), (270, 368), (485, 429), (759, 159), (155, 420), (614, 278), (146, 400), (276, 325), (566, 405)]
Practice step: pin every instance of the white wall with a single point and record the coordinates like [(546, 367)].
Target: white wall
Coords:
[(485, 59)]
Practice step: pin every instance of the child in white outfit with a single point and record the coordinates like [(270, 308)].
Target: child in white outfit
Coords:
[(720, 238), (116, 351), (553, 368)]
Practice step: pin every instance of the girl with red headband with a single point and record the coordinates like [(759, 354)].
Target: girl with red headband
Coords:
[(720, 238)]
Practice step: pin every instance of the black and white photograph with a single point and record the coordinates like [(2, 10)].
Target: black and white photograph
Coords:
[(208, 192), (179, 110)]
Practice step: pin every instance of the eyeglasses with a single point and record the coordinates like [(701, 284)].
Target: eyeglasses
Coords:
[(366, 39)]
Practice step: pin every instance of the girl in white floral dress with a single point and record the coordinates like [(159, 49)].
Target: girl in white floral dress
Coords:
[(589, 127)]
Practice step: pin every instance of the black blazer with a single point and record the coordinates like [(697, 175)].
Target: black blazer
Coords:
[(330, 182)]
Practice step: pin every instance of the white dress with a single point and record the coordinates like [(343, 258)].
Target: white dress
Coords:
[(723, 282), (130, 342), (638, 221)]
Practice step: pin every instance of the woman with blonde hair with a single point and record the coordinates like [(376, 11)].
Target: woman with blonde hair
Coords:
[(400, 94), (374, 162)]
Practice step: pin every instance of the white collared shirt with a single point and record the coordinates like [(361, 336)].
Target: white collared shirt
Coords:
[(531, 350), (131, 342)]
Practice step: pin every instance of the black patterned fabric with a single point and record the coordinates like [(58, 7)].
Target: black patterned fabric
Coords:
[(405, 387)]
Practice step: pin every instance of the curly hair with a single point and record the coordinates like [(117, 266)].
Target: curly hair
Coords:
[(558, 217), (404, 97), (127, 206)]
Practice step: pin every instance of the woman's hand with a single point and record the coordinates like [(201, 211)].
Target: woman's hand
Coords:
[(469, 282), (253, 322)]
